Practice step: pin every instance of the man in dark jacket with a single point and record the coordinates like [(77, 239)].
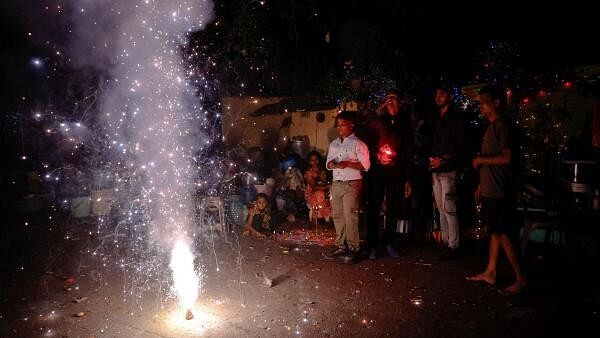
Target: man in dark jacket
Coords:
[(447, 147), (391, 156)]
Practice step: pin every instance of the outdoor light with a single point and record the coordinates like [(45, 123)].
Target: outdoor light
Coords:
[(37, 62)]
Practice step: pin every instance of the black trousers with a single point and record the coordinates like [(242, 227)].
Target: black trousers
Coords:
[(422, 196), (388, 182)]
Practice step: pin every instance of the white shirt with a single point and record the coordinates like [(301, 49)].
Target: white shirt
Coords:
[(350, 149)]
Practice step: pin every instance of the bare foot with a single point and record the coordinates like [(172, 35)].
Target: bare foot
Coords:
[(516, 288), (246, 232), (483, 277)]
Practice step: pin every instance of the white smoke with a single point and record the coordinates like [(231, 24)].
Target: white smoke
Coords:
[(151, 118), (151, 113)]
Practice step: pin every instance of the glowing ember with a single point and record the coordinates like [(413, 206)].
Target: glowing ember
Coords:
[(417, 301), (202, 322), (386, 154), (186, 281), (189, 315)]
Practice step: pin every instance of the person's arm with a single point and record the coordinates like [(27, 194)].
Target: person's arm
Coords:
[(310, 181), (362, 153), (329, 164), (300, 179), (381, 108), (351, 165), (478, 194), (407, 153), (323, 175), (504, 158), (457, 147), (266, 222), (249, 220), (408, 160)]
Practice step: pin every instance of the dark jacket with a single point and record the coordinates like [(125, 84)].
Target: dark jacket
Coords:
[(396, 133), (449, 142)]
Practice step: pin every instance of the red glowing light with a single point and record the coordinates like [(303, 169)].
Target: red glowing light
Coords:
[(386, 154), (568, 84), (526, 100)]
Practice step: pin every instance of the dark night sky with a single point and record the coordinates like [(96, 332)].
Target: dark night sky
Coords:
[(445, 37), (435, 38), (552, 37)]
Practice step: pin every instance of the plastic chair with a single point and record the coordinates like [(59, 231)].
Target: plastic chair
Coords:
[(209, 207), (544, 221)]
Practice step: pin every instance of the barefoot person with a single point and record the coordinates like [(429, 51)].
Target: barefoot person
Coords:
[(494, 177)]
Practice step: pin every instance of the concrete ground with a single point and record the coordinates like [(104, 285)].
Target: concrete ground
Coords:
[(51, 289)]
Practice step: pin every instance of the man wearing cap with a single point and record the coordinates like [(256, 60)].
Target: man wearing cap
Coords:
[(447, 147)]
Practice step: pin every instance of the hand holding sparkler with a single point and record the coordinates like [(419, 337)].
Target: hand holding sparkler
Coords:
[(253, 210), (385, 154), (407, 189), (435, 162)]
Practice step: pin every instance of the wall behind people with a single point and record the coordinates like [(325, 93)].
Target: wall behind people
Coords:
[(240, 127), (306, 123)]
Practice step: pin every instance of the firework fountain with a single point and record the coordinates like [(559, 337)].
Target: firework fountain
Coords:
[(152, 123)]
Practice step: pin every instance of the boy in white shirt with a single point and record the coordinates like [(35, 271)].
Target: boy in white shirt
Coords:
[(347, 157)]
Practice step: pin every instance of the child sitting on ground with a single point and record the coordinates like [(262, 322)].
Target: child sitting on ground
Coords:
[(259, 219)]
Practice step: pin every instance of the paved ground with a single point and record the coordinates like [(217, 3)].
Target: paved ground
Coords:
[(414, 296)]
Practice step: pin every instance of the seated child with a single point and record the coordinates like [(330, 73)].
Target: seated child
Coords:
[(259, 220), (290, 194), (317, 188)]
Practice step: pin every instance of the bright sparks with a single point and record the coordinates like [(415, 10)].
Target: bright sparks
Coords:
[(186, 281)]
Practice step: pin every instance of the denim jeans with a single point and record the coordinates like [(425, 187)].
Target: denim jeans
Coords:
[(444, 191)]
